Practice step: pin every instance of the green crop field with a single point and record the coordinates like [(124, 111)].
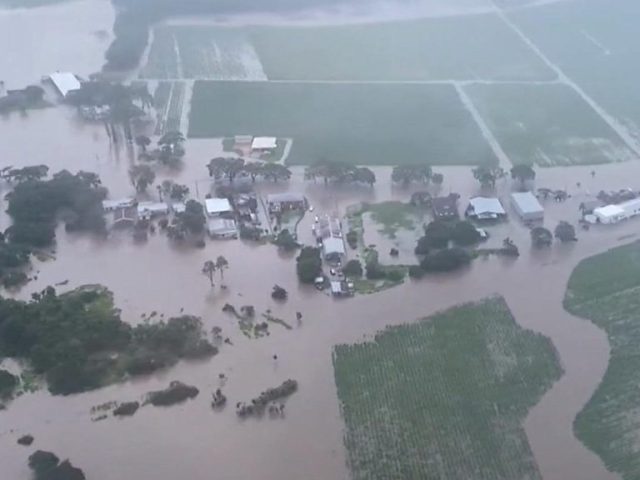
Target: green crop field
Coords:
[(444, 398), (549, 125), (370, 124), (593, 42), (606, 290), (428, 49)]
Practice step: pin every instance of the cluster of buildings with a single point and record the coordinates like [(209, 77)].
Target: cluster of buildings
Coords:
[(328, 233)]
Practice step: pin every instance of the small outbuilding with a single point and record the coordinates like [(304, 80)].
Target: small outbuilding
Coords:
[(483, 208), (217, 207), (445, 208), (527, 206), (281, 202), (222, 228), (147, 210), (263, 144), (65, 82)]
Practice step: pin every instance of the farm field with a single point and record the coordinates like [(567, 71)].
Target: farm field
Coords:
[(395, 51), (444, 397), (549, 125), (168, 100), (369, 124), (589, 40), (606, 290)]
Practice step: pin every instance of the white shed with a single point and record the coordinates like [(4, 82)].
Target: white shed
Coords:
[(263, 144), (484, 208), (217, 206), (65, 82), (527, 206), (609, 214)]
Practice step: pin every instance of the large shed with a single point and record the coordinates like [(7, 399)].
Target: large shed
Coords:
[(527, 206), (609, 214), (217, 206), (65, 82), (483, 208)]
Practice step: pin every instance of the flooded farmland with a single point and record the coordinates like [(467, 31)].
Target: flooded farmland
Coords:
[(158, 276)]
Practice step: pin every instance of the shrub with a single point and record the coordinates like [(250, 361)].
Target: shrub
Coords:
[(352, 239), (445, 260), (353, 268), (416, 271)]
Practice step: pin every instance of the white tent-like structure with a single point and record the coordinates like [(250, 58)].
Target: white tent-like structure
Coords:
[(262, 144), (609, 214), (65, 82)]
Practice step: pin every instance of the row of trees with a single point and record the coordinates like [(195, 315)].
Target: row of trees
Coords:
[(210, 268), (438, 234), (170, 150), (339, 172), (564, 231), (488, 175), (416, 173), (229, 168)]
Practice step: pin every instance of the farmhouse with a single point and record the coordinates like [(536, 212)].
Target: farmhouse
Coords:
[(65, 83), (527, 206), (280, 202), (445, 208), (112, 205), (218, 207), (263, 144), (222, 228), (147, 210), (483, 208)]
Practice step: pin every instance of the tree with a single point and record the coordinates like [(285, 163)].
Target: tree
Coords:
[(275, 172), (329, 171), (143, 142), (424, 246), (487, 175), (437, 234), (437, 179), (308, 264), (523, 173), (406, 174), (541, 237), (279, 293), (565, 232), (8, 383), (353, 268), (141, 176), (221, 265), (171, 138), (229, 168), (19, 175), (285, 240), (192, 220), (364, 175), (445, 260), (464, 234), (254, 170), (174, 190), (208, 269)]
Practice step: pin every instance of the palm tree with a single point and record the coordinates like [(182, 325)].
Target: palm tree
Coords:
[(221, 265), (209, 269), (143, 142), (141, 176)]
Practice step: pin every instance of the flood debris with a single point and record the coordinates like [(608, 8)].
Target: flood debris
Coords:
[(265, 400), (176, 392)]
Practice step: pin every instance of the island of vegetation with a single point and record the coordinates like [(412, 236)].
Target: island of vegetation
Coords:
[(604, 289), (423, 396), (78, 341)]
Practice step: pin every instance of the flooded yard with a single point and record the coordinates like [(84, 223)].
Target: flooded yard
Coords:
[(159, 276)]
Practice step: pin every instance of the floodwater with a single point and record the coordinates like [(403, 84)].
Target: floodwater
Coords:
[(192, 441)]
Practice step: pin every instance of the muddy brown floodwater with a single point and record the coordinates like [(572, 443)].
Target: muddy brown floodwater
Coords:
[(192, 441)]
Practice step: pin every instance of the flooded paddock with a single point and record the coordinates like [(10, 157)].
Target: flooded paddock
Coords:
[(158, 276)]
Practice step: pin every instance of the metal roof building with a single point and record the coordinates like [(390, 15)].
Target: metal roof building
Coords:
[(217, 206), (333, 248), (263, 143), (484, 208), (527, 206), (65, 82)]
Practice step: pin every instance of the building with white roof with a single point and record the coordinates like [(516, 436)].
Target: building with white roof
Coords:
[(263, 144), (216, 207), (333, 249), (65, 82), (152, 209), (222, 228), (483, 208), (527, 206), (617, 213), (111, 205)]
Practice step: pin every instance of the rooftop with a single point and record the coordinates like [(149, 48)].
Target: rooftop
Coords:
[(527, 202), (333, 245), (484, 205), (285, 197), (609, 211), (217, 205), (65, 82), (263, 143), (445, 206)]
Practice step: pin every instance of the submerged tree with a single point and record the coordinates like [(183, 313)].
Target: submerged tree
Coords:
[(141, 176), (541, 237), (406, 174), (209, 269), (488, 175), (565, 232), (523, 173), (221, 265)]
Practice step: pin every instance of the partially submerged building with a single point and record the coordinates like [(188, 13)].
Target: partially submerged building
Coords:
[(65, 83), (340, 288), (112, 205), (445, 208), (484, 208), (218, 207), (222, 228), (262, 145), (282, 202), (617, 213), (333, 249), (148, 210), (527, 206)]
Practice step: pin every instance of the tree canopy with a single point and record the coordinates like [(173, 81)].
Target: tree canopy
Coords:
[(565, 232), (339, 172), (406, 174), (541, 237), (487, 175), (309, 264), (141, 177), (523, 173)]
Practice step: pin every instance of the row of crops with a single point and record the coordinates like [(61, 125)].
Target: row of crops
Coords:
[(169, 101), (445, 397)]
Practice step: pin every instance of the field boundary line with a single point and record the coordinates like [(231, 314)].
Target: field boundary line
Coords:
[(503, 159), (610, 120), (451, 81)]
